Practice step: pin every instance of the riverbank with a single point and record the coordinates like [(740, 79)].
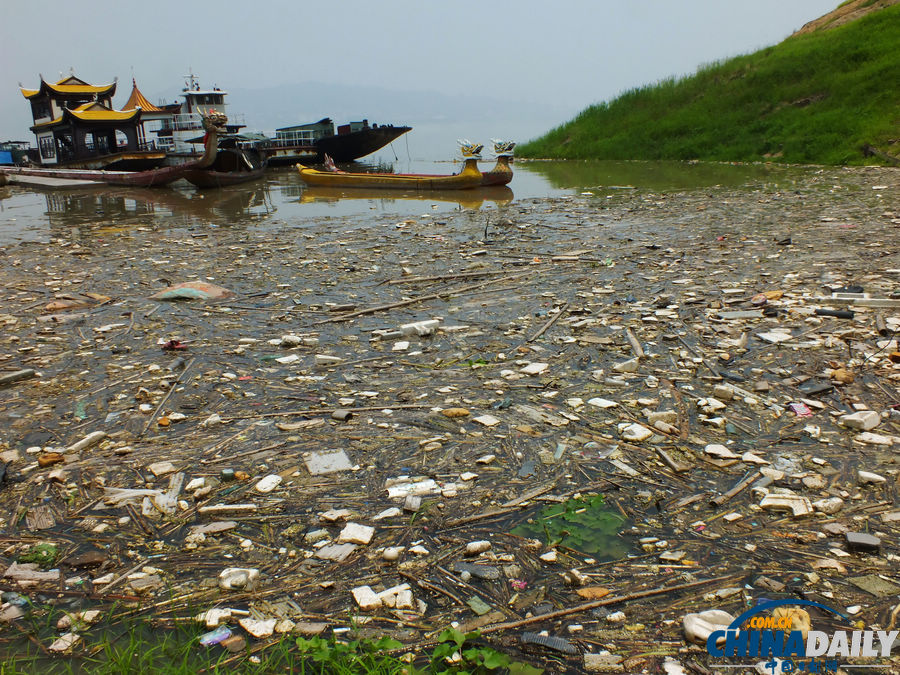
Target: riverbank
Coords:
[(367, 420), (816, 97)]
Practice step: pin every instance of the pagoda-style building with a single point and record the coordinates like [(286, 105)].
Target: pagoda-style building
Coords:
[(156, 125), (76, 126)]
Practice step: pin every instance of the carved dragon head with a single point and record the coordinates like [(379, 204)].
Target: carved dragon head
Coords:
[(213, 120), (503, 147), (469, 149)]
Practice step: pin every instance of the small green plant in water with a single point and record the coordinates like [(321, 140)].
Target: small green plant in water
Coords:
[(584, 524), (357, 656), (459, 654), (42, 554)]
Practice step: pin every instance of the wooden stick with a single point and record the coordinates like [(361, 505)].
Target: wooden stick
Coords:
[(743, 483), (671, 463), (556, 317), (442, 277), (434, 588), (328, 411), (635, 344), (243, 454), (504, 508), (166, 397), (602, 603), (421, 298)]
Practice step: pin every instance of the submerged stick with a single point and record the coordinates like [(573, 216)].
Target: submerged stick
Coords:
[(602, 603), (328, 411), (743, 483), (546, 326), (166, 397), (421, 298), (445, 277)]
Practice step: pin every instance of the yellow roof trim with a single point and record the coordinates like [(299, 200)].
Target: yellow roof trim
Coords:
[(80, 88), (70, 89), (93, 116), (47, 123), (138, 100), (104, 115)]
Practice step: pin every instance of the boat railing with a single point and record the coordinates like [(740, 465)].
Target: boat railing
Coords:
[(194, 122), (295, 138), (91, 150), (187, 122)]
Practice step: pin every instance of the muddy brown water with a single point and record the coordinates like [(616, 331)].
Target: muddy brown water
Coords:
[(34, 215), (605, 251)]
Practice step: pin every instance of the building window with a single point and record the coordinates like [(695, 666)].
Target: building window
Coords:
[(40, 109), (48, 150)]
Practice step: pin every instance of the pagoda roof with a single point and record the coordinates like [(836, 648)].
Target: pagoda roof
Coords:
[(138, 100), (92, 112), (69, 86)]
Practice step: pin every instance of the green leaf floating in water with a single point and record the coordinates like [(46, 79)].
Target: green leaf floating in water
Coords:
[(584, 524), (42, 554)]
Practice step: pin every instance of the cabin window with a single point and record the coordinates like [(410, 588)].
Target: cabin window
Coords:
[(47, 147)]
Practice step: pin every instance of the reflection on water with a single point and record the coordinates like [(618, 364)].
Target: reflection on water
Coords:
[(30, 215), (468, 199), (654, 176), (129, 204)]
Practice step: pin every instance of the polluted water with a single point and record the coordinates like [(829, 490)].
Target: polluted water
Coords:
[(595, 426)]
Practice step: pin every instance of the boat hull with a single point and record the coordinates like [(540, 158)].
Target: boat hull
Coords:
[(151, 178), (352, 146), (501, 174), (137, 161), (340, 147), (205, 178), (230, 167), (470, 177)]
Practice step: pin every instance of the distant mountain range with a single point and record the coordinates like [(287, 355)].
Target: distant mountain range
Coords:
[(273, 107)]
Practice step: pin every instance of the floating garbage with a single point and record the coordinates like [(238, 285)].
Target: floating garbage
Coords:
[(569, 424)]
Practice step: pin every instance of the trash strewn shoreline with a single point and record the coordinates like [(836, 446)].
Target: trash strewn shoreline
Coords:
[(351, 425)]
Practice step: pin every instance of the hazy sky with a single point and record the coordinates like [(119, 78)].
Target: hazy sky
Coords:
[(574, 52)]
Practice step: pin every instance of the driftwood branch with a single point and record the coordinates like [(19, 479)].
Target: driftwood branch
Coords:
[(421, 298), (870, 150), (587, 606), (546, 326)]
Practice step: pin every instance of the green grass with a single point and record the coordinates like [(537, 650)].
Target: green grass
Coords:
[(139, 645), (816, 98)]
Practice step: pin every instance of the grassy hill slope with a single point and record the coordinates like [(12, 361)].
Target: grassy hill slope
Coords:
[(817, 97)]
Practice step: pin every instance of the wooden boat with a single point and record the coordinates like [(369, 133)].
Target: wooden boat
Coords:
[(153, 177), (502, 172), (213, 123), (234, 163), (469, 177)]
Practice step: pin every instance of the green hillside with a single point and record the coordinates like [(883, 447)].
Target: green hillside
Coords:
[(815, 98)]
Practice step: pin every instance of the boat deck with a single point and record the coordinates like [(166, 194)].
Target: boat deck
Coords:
[(49, 182)]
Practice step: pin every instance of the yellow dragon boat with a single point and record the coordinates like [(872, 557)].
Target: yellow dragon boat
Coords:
[(469, 177), (502, 172)]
